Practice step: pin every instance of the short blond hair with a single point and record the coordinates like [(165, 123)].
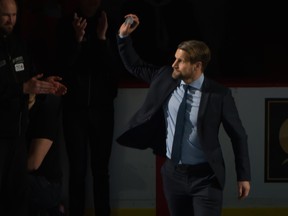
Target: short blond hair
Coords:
[(197, 50)]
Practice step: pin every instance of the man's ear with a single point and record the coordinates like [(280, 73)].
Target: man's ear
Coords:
[(198, 65)]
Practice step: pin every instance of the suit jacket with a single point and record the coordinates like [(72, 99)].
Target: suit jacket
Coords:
[(147, 129)]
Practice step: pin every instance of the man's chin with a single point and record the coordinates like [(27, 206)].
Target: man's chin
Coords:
[(176, 74), (9, 30)]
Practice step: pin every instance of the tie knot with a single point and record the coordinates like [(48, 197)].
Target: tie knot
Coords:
[(185, 87)]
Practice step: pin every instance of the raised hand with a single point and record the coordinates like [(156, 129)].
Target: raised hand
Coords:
[(102, 26), (127, 27), (79, 25)]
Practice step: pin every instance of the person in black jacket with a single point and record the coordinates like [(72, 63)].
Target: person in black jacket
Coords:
[(194, 178), (88, 107), (18, 80)]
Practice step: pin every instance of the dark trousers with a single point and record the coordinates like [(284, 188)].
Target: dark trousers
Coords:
[(191, 190), (45, 196), (89, 131), (13, 177)]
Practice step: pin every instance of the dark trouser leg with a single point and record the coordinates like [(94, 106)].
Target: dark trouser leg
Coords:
[(193, 193), (13, 174), (101, 138), (76, 140)]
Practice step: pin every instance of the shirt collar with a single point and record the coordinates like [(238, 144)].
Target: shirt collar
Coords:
[(197, 84)]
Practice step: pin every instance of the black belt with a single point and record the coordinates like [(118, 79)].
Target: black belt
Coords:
[(187, 168)]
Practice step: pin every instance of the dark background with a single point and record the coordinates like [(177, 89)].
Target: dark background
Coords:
[(248, 39)]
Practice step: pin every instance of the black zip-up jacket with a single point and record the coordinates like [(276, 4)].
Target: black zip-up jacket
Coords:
[(15, 69)]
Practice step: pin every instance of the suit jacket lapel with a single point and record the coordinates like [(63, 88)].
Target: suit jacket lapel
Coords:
[(167, 90)]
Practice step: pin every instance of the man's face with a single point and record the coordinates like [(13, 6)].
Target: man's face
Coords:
[(8, 15), (184, 69)]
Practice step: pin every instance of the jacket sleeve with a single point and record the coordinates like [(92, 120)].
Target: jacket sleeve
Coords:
[(132, 61), (235, 130)]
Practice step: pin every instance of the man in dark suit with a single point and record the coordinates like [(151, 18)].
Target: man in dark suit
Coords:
[(193, 183)]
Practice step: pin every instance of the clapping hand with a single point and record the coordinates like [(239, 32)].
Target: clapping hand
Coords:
[(102, 26), (60, 88), (79, 25), (37, 86), (49, 85)]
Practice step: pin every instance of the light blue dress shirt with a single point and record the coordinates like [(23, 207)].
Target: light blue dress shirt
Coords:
[(192, 152)]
